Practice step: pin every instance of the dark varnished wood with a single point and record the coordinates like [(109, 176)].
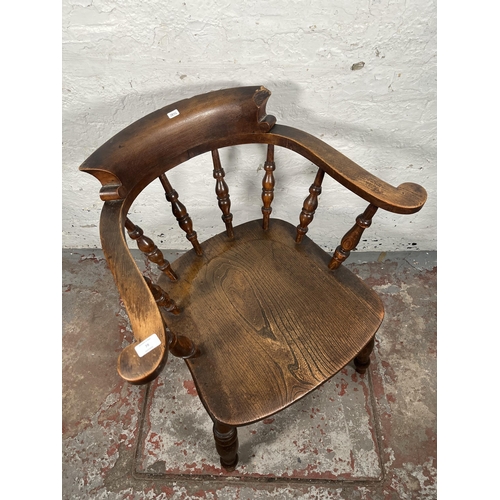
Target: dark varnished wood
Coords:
[(161, 297), (268, 187), (135, 157), (352, 237), (222, 192), (180, 213), (156, 143), (407, 198), (267, 322), (226, 443), (150, 144), (147, 247), (310, 206), (179, 345), (263, 305), (145, 318), (362, 360)]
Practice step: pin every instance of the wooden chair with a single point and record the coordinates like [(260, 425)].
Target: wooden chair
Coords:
[(260, 313)]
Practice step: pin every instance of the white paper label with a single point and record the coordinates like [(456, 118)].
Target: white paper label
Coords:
[(147, 345), (173, 113)]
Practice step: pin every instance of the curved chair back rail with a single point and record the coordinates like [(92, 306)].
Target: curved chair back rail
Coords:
[(156, 143), (164, 138), (151, 146)]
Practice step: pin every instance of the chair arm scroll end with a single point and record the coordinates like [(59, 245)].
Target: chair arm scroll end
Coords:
[(112, 188), (415, 196), (138, 368)]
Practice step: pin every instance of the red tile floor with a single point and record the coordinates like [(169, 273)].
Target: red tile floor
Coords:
[(357, 437)]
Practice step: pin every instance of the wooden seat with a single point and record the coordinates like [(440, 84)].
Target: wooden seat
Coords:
[(271, 322), (260, 313)]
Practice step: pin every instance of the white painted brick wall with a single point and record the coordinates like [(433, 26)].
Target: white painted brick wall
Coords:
[(124, 59)]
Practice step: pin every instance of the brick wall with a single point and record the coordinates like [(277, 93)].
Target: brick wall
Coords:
[(359, 75)]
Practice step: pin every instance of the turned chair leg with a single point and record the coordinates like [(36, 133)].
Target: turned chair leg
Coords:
[(362, 360), (226, 442)]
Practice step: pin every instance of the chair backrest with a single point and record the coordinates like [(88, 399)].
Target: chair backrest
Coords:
[(160, 141)]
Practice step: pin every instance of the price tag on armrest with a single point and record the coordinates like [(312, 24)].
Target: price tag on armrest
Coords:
[(147, 345)]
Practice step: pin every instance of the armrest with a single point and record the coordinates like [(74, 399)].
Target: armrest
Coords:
[(407, 198), (145, 318)]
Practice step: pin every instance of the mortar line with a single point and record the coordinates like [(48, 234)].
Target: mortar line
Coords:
[(141, 428), (235, 480)]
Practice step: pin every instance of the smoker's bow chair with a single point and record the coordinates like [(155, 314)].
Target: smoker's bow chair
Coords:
[(260, 313)]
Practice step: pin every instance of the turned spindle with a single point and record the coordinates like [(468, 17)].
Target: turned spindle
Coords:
[(222, 192), (161, 297), (352, 237), (180, 346), (180, 213), (226, 443), (149, 249), (310, 206), (268, 186)]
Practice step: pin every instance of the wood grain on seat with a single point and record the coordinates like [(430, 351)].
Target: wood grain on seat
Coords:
[(271, 322)]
